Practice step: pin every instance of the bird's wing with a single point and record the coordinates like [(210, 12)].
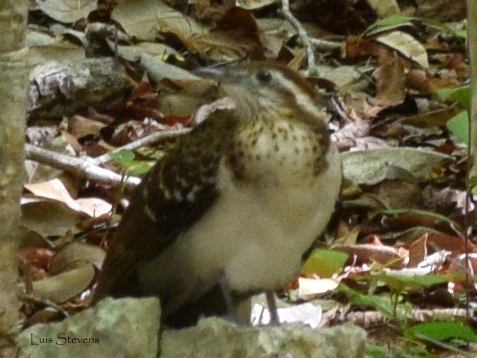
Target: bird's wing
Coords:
[(177, 191)]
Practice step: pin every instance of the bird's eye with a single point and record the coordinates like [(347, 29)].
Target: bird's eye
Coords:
[(264, 76)]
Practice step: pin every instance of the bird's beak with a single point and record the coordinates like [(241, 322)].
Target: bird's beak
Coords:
[(229, 79), (214, 73), (229, 74)]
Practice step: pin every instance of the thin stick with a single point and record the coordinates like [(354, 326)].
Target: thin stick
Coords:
[(82, 167), (150, 139), (43, 301), (89, 168), (310, 56)]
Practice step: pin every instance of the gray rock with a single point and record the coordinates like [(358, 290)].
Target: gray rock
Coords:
[(216, 338), (112, 328)]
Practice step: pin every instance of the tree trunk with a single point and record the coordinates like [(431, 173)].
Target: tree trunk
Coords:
[(13, 95), (472, 50)]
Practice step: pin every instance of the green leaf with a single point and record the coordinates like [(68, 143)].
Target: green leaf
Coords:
[(461, 94), (461, 33), (390, 21), (376, 351), (429, 279), (396, 20), (382, 304), (324, 262), (417, 352), (429, 214), (459, 126), (441, 26), (442, 331), (138, 168), (123, 156), (399, 282)]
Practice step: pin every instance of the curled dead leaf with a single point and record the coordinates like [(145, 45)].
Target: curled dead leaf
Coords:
[(368, 253)]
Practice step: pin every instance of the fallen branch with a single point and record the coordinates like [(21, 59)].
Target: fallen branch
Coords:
[(325, 45), (83, 167), (310, 55), (150, 139), (90, 168)]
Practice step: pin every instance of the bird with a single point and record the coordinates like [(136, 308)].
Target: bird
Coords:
[(235, 203)]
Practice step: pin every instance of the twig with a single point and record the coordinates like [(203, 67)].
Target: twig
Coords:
[(150, 139), (311, 63), (77, 166), (325, 44), (43, 301), (89, 168)]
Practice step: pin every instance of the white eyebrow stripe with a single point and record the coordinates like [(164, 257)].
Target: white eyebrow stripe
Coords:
[(302, 98)]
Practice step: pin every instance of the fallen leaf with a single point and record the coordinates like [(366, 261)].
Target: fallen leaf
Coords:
[(371, 166), (66, 285), (37, 256), (74, 254), (407, 45), (417, 251), (50, 218), (368, 253), (56, 190), (67, 11)]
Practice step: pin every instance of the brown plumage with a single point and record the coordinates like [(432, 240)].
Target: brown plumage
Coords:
[(236, 202)]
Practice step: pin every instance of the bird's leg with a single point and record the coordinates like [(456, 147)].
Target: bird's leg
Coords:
[(238, 306), (272, 307)]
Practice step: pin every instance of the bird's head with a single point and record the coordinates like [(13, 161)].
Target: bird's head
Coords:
[(266, 88)]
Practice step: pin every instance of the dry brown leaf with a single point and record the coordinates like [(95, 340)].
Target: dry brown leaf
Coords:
[(433, 117), (254, 4), (55, 189), (37, 256), (67, 11), (384, 8), (368, 253), (80, 126), (390, 80), (94, 206), (397, 193), (235, 37), (50, 218), (448, 201), (75, 254), (407, 45), (144, 19), (417, 251), (372, 166), (442, 10), (64, 286), (448, 242)]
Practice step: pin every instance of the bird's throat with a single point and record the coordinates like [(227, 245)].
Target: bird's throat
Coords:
[(282, 149)]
